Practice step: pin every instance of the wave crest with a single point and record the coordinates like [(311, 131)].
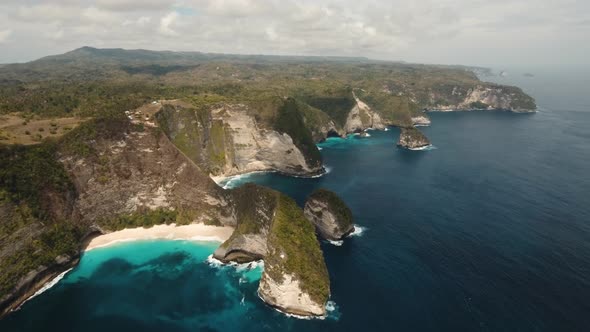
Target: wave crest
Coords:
[(358, 231)]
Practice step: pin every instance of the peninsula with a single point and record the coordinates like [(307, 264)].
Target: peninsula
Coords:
[(98, 141)]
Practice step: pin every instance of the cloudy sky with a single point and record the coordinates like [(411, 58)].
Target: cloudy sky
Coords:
[(472, 32)]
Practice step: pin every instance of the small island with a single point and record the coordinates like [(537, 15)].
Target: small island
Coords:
[(330, 215), (412, 139)]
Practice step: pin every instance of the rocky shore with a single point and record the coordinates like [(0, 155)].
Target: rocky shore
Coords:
[(411, 138)]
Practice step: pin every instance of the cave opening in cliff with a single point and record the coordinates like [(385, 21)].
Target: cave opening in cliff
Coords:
[(332, 133)]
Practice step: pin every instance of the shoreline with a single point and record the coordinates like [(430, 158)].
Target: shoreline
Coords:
[(224, 181), (191, 232)]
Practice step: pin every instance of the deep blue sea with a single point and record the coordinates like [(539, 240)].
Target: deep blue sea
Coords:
[(488, 231)]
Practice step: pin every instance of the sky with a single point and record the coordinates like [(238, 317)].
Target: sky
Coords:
[(469, 32)]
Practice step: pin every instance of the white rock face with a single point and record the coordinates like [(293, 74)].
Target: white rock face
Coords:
[(495, 98), (243, 248), (362, 117), (324, 220), (420, 121), (288, 297), (258, 149)]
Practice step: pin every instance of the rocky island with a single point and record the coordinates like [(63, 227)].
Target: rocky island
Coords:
[(411, 138), (330, 215), (101, 140)]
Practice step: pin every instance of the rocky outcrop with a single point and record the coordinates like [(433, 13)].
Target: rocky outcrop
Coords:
[(227, 140), (485, 97), (141, 170), (421, 121), (272, 227), (362, 117), (411, 138), (33, 281), (287, 296), (330, 215)]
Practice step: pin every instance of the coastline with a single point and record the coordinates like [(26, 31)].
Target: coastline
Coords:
[(191, 232), (224, 180)]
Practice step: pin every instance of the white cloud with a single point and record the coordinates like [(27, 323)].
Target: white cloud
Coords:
[(4, 35), (166, 24), (441, 31)]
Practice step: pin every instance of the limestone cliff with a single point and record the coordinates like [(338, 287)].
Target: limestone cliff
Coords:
[(127, 174), (227, 140), (104, 176), (411, 138), (271, 226), (330, 215), (421, 121), (362, 117), (482, 97)]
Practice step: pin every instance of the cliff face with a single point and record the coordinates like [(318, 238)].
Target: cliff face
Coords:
[(272, 227), (421, 121), (362, 117), (411, 138), (131, 175), (482, 97), (140, 170), (330, 215), (227, 140)]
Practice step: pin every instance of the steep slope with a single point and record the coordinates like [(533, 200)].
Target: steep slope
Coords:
[(226, 139), (330, 215), (272, 227), (110, 174)]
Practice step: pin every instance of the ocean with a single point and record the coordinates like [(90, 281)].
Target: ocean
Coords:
[(487, 231)]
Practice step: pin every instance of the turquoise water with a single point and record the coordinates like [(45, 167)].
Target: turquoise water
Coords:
[(489, 231)]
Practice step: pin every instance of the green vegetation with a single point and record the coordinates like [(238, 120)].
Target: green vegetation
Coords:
[(290, 121), (336, 205), (30, 174), (60, 238), (146, 219), (254, 204), (299, 96), (293, 236), (195, 134)]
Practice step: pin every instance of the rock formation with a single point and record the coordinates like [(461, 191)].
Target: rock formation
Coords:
[(272, 227), (411, 138), (361, 117), (330, 215), (490, 97), (420, 121), (228, 140)]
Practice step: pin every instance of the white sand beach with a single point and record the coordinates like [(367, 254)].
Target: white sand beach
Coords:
[(192, 232)]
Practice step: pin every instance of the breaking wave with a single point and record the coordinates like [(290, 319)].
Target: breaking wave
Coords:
[(335, 243), (424, 148), (358, 231), (48, 285)]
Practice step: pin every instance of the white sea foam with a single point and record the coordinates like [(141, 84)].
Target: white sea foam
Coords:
[(386, 129), (231, 181), (332, 312), (367, 135), (424, 148), (48, 285), (214, 262), (336, 243), (320, 148), (330, 306), (358, 231), (240, 267)]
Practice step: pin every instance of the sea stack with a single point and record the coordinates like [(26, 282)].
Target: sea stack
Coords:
[(330, 215), (411, 138)]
